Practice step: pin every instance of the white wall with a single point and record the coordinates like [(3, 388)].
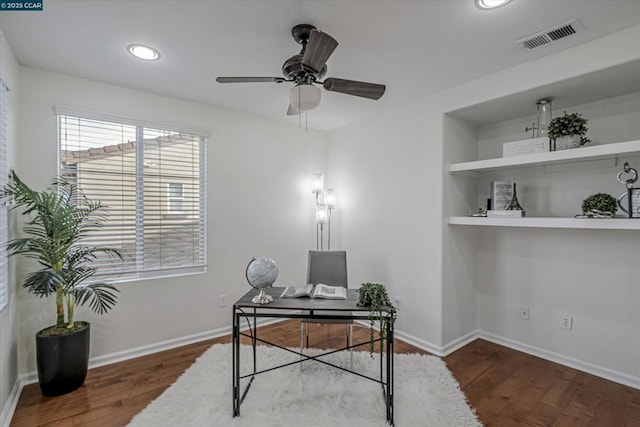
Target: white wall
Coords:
[(9, 334), (459, 245), (259, 204), (454, 279), (388, 174), (589, 274)]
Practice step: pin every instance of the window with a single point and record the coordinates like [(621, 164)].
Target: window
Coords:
[(4, 226), (142, 174), (175, 198)]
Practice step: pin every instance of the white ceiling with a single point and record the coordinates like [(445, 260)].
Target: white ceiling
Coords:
[(413, 47)]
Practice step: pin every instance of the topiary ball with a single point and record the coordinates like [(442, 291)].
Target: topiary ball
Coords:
[(602, 202)]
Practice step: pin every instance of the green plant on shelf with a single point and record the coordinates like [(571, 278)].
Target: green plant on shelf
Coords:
[(569, 124), (600, 203)]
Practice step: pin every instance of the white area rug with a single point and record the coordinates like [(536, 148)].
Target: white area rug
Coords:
[(426, 394)]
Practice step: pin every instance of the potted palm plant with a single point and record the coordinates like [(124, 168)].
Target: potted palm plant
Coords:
[(568, 131), (59, 219)]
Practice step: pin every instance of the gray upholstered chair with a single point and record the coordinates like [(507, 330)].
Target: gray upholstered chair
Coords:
[(329, 268)]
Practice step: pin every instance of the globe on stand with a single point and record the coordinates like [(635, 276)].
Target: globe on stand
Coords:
[(262, 273)]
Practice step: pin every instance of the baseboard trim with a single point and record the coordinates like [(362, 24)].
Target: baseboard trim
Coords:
[(459, 342), (421, 344), (11, 403), (571, 362), (436, 350), (121, 356), (409, 339)]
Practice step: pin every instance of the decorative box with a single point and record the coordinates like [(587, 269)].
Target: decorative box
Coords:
[(526, 146)]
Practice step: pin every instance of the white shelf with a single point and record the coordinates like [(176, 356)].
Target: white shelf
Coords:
[(550, 222), (582, 154)]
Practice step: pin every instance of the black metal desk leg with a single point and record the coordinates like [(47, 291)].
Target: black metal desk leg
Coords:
[(236, 363), (253, 339)]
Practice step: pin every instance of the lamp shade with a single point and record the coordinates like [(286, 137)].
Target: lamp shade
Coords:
[(322, 214), (317, 183), (330, 198), (304, 97)]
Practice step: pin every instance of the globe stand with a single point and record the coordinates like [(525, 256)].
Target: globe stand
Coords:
[(262, 298), (261, 273)]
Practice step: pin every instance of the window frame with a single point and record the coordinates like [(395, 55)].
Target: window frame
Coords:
[(4, 210), (141, 125)]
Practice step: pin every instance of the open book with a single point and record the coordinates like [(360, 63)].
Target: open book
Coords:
[(315, 291)]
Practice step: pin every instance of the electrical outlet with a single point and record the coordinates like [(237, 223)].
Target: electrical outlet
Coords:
[(222, 301), (524, 312), (567, 322)]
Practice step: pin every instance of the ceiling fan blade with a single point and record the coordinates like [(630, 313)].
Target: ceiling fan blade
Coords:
[(319, 49), (352, 87), (292, 111), (250, 79)]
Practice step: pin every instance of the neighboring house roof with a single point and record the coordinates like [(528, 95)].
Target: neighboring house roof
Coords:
[(72, 157)]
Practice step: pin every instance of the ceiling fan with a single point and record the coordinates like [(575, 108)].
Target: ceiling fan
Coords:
[(307, 68)]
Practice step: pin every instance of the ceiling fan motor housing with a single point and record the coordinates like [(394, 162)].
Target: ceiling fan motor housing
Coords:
[(292, 69)]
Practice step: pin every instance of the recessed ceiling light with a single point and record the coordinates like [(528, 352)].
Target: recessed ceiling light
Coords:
[(490, 4), (143, 52)]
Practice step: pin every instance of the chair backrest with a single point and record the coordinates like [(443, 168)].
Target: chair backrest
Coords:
[(328, 267)]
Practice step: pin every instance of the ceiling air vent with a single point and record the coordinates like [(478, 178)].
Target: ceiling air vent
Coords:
[(551, 35)]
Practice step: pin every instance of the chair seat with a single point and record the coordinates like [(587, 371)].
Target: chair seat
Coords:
[(346, 321)]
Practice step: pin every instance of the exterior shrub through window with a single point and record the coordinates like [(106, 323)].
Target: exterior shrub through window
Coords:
[(153, 182)]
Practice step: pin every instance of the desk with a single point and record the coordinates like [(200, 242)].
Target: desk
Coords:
[(304, 308)]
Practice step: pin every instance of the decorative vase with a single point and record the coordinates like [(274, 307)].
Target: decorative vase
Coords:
[(544, 116), (568, 141)]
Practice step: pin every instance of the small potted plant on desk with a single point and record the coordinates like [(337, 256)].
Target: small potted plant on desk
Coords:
[(568, 131), (59, 218), (375, 296)]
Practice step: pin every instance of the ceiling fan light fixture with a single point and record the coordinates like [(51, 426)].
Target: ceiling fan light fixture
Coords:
[(143, 52), (490, 4), (304, 97)]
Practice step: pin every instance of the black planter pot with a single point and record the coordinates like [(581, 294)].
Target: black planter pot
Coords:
[(62, 361)]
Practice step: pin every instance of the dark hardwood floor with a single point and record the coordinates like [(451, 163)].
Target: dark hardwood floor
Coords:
[(506, 387)]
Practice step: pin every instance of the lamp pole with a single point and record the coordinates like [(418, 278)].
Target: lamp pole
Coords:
[(329, 229)]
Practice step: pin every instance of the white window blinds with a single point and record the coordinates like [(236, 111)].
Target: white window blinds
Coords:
[(143, 176), (4, 225)]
